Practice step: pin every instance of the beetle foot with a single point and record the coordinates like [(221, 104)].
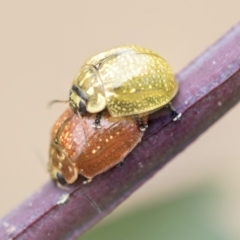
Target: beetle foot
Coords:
[(120, 164), (176, 116), (96, 123), (143, 127), (87, 181)]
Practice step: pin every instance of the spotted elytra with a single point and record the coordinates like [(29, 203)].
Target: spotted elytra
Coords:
[(127, 80), (77, 148)]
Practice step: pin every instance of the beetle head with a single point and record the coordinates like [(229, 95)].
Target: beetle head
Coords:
[(61, 168), (68, 139), (61, 178), (77, 100), (87, 93)]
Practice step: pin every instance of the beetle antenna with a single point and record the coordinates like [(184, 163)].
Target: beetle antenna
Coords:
[(92, 202), (56, 101), (84, 125), (40, 158), (66, 196), (79, 114), (55, 143), (63, 125)]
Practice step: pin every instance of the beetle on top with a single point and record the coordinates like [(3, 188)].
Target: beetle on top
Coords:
[(127, 80)]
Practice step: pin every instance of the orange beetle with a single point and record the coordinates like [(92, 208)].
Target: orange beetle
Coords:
[(78, 148)]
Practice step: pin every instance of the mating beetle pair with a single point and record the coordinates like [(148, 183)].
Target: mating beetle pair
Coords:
[(127, 81)]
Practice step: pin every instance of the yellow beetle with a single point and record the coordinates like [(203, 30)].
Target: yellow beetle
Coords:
[(127, 80)]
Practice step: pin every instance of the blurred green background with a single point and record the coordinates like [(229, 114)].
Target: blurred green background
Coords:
[(189, 215)]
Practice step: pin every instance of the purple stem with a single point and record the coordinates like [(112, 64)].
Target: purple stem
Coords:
[(209, 87)]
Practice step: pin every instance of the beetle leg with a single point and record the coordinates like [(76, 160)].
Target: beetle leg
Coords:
[(120, 164), (175, 115), (96, 123), (88, 180), (142, 126)]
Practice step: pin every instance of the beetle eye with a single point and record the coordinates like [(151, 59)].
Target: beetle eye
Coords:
[(79, 92), (82, 107), (60, 178)]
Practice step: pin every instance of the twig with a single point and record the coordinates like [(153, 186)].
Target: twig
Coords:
[(209, 87)]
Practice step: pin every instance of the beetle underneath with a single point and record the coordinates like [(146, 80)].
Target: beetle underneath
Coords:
[(78, 149)]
